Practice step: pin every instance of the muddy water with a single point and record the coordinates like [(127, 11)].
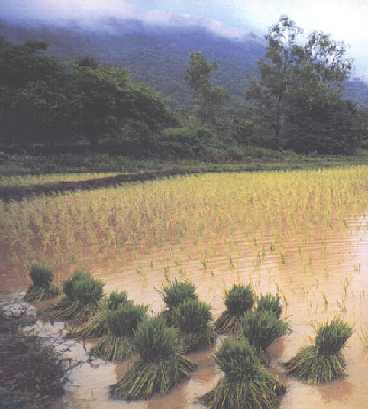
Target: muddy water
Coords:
[(319, 277)]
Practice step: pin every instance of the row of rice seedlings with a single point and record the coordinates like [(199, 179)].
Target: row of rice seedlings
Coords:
[(246, 383), (42, 288), (182, 209), (322, 362), (185, 326)]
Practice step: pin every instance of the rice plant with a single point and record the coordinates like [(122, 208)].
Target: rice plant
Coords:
[(81, 296), (116, 345), (193, 319), (160, 366), (246, 384), (97, 325), (42, 288), (238, 301), (271, 303), (175, 293), (322, 362), (262, 328)]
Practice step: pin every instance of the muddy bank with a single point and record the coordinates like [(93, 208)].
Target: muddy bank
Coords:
[(32, 373)]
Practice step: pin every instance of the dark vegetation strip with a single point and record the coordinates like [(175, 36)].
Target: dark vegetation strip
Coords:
[(17, 193)]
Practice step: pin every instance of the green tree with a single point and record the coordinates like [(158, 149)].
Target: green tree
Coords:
[(208, 99), (299, 92)]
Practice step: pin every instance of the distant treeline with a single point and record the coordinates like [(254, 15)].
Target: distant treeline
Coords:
[(295, 102)]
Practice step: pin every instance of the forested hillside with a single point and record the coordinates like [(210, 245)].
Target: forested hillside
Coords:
[(157, 55)]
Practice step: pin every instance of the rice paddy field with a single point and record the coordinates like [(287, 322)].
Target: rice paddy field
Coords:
[(301, 234)]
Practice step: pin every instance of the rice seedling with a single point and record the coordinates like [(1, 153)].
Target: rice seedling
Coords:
[(82, 294), (322, 362), (363, 336), (116, 345), (160, 366), (271, 303), (175, 293), (193, 320), (246, 384), (238, 301), (175, 210), (97, 325), (42, 288), (262, 328)]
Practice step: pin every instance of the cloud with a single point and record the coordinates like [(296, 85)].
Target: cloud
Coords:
[(65, 9), (343, 19)]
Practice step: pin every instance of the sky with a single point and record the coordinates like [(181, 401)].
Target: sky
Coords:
[(343, 19)]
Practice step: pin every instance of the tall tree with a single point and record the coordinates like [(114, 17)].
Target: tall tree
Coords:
[(300, 85), (208, 99)]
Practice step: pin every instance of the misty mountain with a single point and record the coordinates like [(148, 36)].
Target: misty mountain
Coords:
[(156, 55)]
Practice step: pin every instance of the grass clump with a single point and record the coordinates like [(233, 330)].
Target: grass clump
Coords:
[(193, 319), (262, 328), (174, 294), (122, 323), (271, 303), (160, 365), (322, 362), (41, 288), (82, 294), (246, 384), (97, 325), (238, 301)]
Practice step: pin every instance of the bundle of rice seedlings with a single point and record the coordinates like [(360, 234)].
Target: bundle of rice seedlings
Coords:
[(238, 301), (322, 362), (41, 288), (82, 294), (193, 319), (122, 322), (246, 384), (97, 325), (271, 303), (262, 328), (160, 365), (175, 293)]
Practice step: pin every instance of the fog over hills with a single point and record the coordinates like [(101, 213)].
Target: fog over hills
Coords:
[(153, 53)]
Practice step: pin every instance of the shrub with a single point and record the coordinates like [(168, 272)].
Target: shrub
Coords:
[(262, 328), (246, 384), (238, 300), (271, 303), (322, 362), (193, 319), (160, 366)]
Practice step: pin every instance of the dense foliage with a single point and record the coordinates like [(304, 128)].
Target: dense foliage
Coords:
[(297, 100)]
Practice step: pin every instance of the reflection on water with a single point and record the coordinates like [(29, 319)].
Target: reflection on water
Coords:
[(318, 278)]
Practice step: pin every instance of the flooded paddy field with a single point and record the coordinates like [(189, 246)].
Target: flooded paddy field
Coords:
[(303, 235)]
